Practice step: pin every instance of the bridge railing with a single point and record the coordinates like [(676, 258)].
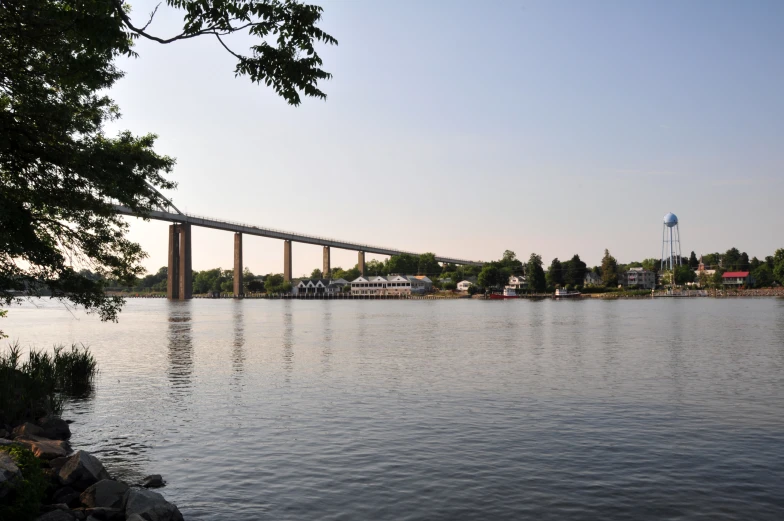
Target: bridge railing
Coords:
[(189, 217)]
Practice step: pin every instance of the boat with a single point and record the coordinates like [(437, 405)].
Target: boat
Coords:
[(565, 293), (508, 293)]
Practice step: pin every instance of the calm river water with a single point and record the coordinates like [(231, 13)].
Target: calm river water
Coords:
[(390, 410)]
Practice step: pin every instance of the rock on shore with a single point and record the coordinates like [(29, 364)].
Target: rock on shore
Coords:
[(81, 488)]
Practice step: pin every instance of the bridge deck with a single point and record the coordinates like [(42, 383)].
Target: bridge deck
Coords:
[(217, 224)]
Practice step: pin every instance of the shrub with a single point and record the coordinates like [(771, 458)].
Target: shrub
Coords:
[(24, 501), (37, 387)]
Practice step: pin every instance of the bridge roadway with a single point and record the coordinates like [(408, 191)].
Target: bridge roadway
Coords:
[(179, 284), (278, 234)]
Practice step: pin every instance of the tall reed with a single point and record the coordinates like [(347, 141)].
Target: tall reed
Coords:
[(37, 387)]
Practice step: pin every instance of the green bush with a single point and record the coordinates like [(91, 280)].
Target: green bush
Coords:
[(24, 501), (37, 387)]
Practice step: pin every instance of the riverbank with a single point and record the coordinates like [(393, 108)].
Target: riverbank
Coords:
[(42, 478)]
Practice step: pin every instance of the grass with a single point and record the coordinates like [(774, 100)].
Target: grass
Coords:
[(24, 501), (36, 387)]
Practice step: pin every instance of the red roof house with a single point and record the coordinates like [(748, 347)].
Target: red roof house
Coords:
[(737, 278)]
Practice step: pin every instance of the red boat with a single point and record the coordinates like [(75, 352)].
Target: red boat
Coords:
[(508, 293)]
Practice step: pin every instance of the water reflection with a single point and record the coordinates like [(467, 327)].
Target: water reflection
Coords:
[(288, 340), (180, 349), (238, 350), (326, 350)]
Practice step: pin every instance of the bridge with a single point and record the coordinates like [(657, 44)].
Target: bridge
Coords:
[(180, 272)]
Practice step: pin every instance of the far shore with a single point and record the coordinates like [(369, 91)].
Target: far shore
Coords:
[(446, 295)]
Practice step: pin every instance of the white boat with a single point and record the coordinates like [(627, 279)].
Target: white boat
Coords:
[(565, 293)]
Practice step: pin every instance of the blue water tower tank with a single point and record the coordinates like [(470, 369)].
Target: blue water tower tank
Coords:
[(670, 220)]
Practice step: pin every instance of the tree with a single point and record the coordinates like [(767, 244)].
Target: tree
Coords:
[(574, 271), (730, 261), (535, 274), (375, 267), (403, 264), (60, 174), (778, 266), (509, 260), (651, 264), (693, 262), (763, 276), (554, 275), (316, 274), (609, 270), (273, 283), (683, 274), (428, 265), (743, 263), (489, 277)]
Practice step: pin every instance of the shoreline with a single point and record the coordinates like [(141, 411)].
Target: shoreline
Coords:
[(78, 487)]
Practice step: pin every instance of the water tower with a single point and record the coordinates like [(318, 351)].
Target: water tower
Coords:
[(671, 243)]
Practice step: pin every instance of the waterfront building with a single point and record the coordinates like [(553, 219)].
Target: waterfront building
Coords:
[(391, 285), (337, 285), (310, 287), (463, 285), (639, 277), (517, 282), (592, 279), (737, 278)]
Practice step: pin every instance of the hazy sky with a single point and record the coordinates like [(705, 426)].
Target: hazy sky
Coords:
[(468, 128)]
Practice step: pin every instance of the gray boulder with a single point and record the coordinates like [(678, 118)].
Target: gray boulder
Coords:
[(106, 493), (45, 448), (57, 463), (104, 514), (82, 470), (55, 428), (27, 429), (66, 495), (9, 473), (153, 481), (150, 506), (57, 515)]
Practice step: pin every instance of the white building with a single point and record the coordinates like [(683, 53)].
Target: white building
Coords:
[(318, 286), (391, 285), (463, 285), (639, 277), (517, 282)]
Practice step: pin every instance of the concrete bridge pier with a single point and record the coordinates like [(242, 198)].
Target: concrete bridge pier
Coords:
[(325, 267), (238, 290), (287, 261), (179, 280), (361, 263)]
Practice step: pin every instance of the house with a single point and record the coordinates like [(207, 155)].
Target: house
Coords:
[(420, 283), (463, 285), (701, 269), (737, 278), (391, 285), (517, 282), (639, 277), (592, 279), (310, 287), (337, 285)]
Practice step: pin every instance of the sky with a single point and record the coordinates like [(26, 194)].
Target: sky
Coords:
[(470, 128)]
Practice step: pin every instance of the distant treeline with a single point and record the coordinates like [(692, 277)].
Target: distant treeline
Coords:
[(569, 273)]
